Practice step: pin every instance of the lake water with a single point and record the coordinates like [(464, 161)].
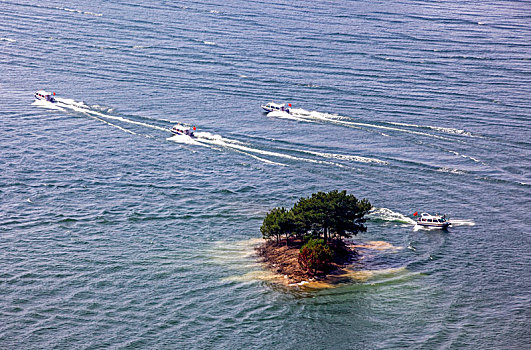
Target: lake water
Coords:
[(113, 234)]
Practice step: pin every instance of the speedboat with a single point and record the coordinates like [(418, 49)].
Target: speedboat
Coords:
[(280, 110), (44, 96), (437, 221), (180, 129), (272, 106)]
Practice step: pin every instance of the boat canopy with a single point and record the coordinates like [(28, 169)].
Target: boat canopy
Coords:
[(44, 95), (276, 105), (425, 217)]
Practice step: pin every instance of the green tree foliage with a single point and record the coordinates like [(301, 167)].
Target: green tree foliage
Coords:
[(277, 222), (315, 255), (326, 215), (332, 214)]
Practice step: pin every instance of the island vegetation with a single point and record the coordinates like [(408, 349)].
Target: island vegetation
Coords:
[(308, 240)]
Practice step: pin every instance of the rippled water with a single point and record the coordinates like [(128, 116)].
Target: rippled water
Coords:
[(115, 235)]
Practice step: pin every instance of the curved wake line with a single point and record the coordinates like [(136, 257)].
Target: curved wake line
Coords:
[(232, 144), (71, 102), (187, 140), (347, 157), (437, 128), (202, 138), (464, 222), (79, 11), (261, 159), (238, 144), (341, 122), (387, 215), (467, 157), (83, 108), (47, 105), (55, 106), (116, 126), (314, 116), (451, 171)]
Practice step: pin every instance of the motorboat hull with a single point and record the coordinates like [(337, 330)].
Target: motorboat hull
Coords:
[(181, 130), (434, 224), (180, 133), (434, 221), (270, 107), (43, 97)]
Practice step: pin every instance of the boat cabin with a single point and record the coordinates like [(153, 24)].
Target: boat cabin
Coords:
[(433, 220), (183, 130), (45, 96), (271, 106)]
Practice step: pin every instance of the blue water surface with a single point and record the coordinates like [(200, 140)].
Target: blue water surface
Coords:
[(113, 234)]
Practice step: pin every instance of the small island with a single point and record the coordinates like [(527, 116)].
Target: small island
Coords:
[(307, 242)]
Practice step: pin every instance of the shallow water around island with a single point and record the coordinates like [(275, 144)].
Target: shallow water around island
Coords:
[(114, 234)]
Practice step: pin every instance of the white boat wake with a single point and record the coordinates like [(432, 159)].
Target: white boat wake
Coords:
[(300, 114), (83, 108), (217, 140), (387, 215), (205, 139), (437, 128), (48, 105), (462, 222)]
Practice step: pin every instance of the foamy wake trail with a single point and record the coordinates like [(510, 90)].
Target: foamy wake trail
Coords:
[(451, 171), (83, 108), (467, 157), (384, 214), (114, 125), (47, 105), (347, 157), (71, 102), (183, 139), (219, 141), (204, 139), (436, 128), (314, 116), (79, 11), (8, 40), (172, 121), (464, 222), (77, 106)]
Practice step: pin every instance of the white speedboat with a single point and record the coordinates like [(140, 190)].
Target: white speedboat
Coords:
[(272, 106), (180, 129), (436, 221), (280, 110), (44, 96)]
